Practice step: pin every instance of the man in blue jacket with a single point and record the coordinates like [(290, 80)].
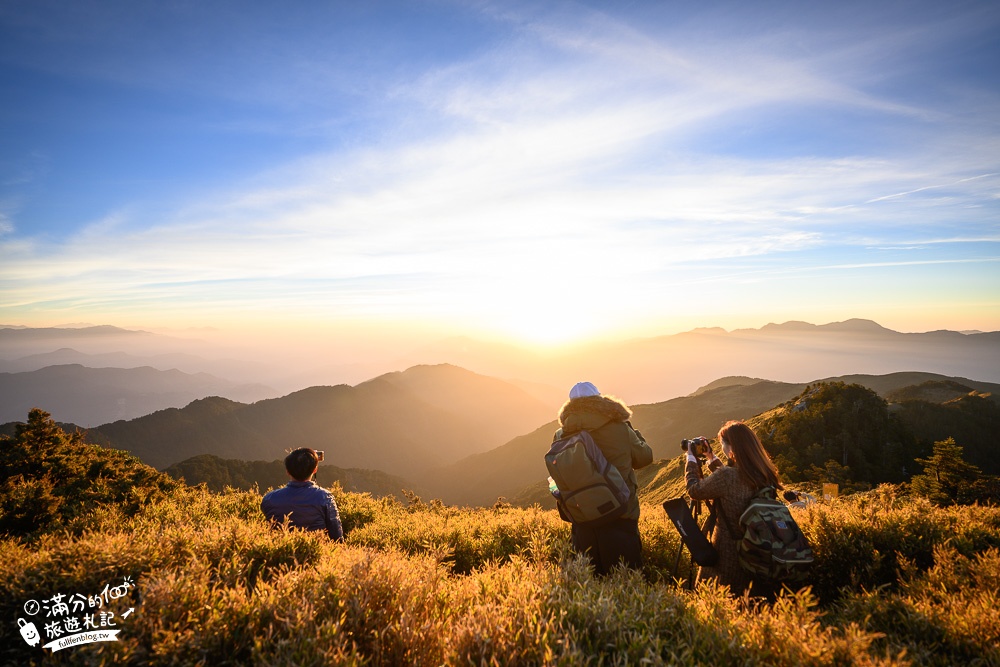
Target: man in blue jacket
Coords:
[(306, 505)]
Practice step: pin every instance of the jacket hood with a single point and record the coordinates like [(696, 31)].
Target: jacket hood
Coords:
[(604, 408)]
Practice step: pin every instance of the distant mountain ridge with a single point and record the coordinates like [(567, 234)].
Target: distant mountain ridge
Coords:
[(853, 326), (18, 332), (641, 370), (646, 370), (67, 355), (935, 391), (30, 340), (91, 396), (401, 423)]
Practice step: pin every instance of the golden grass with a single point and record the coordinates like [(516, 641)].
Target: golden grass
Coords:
[(897, 582)]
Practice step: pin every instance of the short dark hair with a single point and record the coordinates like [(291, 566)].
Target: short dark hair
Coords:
[(301, 463)]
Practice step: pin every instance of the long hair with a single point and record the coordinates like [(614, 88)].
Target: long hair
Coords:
[(749, 454)]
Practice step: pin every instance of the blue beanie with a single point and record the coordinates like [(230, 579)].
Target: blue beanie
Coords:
[(581, 389)]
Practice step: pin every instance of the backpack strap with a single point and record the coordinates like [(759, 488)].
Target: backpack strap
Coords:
[(734, 533), (712, 519)]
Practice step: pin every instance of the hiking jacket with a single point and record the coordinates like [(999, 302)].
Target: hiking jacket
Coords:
[(606, 419), (307, 506)]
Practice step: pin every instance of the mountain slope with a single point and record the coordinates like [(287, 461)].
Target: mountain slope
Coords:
[(891, 385), (401, 423), (973, 420), (499, 408)]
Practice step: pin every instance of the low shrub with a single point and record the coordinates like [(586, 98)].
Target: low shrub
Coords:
[(897, 581)]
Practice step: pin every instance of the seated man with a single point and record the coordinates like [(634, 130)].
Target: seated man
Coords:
[(306, 505)]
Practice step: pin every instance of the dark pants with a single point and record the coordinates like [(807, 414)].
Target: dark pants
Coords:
[(617, 542)]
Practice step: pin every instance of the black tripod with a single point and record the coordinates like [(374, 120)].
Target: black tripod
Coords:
[(694, 534), (705, 529)]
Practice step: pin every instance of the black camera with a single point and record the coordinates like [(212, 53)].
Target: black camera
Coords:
[(698, 446)]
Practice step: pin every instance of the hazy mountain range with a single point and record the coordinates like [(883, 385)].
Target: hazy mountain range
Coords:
[(655, 369), (643, 370), (29, 349), (402, 423), (91, 396), (461, 437), (465, 435), (932, 407)]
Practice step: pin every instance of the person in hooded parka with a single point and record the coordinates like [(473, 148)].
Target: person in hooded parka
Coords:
[(606, 418)]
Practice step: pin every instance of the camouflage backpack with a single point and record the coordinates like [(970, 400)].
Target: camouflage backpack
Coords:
[(772, 545), (590, 491)]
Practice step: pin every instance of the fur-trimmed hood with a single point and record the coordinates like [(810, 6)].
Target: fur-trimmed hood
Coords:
[(605, 408), (605, 417)]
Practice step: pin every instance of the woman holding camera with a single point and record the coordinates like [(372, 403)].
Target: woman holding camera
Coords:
[(730, 488)]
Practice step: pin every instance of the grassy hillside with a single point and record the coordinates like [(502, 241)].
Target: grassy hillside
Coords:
[(200, 578), (897, 582), (51, 480), (932, 391), (846, 433)]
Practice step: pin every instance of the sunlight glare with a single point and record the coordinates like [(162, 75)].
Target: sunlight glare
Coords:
[(551, 306), (544, 326)]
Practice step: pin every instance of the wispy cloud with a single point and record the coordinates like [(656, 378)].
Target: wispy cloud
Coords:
[(579, 146), (931, 187)]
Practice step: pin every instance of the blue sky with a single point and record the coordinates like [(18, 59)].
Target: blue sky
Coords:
[(500, 168)]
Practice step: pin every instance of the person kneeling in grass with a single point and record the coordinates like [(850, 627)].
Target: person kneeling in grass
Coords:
[(307, 505)]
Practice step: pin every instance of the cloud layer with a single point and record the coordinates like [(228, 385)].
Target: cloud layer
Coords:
[(578, 164)]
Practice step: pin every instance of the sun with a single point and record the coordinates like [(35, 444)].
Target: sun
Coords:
[(545, 302), (543, 326)]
